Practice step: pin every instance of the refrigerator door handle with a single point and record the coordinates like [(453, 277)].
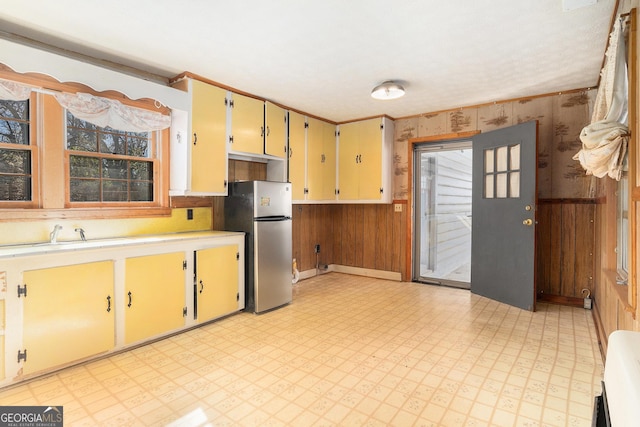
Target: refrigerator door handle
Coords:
[(272, 218)]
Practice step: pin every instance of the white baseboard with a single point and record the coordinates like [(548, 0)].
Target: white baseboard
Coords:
[(357, 271)]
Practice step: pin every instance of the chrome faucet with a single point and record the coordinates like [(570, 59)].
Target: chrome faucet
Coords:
[(82, 236), (53, 236)]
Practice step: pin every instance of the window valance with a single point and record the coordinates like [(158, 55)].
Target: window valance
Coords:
[(99, 111), (13, 91), (106, 112)]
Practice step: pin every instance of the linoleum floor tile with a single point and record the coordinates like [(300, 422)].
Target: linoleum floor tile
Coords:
[(348, 351)]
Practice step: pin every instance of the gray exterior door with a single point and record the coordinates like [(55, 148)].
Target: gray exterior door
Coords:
[(504, 207)]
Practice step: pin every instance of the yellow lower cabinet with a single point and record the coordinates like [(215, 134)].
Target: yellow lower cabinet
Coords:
[(68, 314), (216, 282), (154, 295)]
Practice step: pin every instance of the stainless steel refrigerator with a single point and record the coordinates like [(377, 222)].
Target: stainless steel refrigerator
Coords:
[(262, 209)]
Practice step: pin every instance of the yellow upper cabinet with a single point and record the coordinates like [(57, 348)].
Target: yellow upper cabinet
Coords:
[(275, 138), (321, 160), (198, 141), (365, 160), (208, 148), (297, 155), (247, 125), (68, 314)]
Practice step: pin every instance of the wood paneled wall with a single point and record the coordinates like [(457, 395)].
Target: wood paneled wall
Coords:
[(356, 235), (565, 247), (239, 170)]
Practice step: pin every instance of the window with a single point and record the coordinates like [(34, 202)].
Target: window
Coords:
[(16, 152), (109, 166), (502, 172), (622, 225)]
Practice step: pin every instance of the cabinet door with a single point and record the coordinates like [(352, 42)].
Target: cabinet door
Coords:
[(321, 161), (216, 282), (68, 314), (275, 139), (370, 165), (297, 155), (154, 295), (208, 146), (348, 161), (329, 164), (247, 124)]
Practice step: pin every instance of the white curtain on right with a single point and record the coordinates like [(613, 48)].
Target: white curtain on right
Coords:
[(604, 141)]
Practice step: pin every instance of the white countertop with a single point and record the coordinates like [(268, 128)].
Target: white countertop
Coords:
[(10, 251)]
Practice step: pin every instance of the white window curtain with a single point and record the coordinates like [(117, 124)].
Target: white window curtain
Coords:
[(13, 91), (105, 112), (604, 141)]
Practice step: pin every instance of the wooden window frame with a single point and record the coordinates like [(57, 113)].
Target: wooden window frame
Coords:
[(33, 148), (154, 158), (50, 160)]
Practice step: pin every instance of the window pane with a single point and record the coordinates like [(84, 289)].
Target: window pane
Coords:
[(14, 110), (622, 223), (141, 170), (501, 185), (514, 157), (15, 162), (14, 132), (82, 140), (15, 188), (113, 143), (501, 159), (84, 167), (138, 147), (14, 122), (15, 175), (85, 190), (514, 185), (74, 122), (488, 186), (114, 168), (141, 191), (114, 191), (488, 161)]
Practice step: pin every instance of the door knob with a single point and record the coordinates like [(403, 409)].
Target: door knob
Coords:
[(528, 221)]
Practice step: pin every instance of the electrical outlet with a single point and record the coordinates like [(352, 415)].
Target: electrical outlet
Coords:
[(397, 207), (317, 249)]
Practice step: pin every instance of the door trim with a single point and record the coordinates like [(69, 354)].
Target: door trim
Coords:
[(436, 139)]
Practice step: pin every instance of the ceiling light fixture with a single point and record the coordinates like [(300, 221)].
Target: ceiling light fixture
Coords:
[(387, 90)]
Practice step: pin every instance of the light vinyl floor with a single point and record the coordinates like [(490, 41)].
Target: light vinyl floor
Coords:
[(348, 351)]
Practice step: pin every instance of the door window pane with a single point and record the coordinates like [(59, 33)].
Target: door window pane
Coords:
[(501, 185), (514, 157), (488, 161), (514, 185), (488, 187), (501, 159)]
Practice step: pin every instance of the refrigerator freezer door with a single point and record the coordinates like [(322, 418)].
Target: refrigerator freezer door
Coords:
[(272, 199), (272, 284)]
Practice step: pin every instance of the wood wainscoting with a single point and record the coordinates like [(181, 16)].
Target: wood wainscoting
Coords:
[(565, 249), (367, 236)]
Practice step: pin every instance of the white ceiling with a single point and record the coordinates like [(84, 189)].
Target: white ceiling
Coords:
[(324, 57)]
